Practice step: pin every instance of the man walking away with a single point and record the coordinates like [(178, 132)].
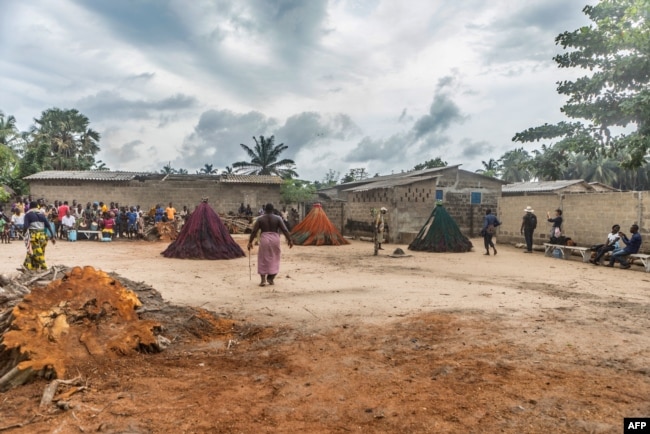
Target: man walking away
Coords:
[(528, 225), (490, 223)]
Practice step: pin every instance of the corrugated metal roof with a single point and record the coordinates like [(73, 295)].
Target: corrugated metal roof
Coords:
[(107, 175), (539, 186), (390, 183), (85, 175), (401, 175), (251, 179)]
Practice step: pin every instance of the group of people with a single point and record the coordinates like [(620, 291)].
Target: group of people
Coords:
[(619, 252), (289, 217), (38, 222)]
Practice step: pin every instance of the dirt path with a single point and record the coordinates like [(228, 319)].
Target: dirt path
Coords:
[(349, 342)]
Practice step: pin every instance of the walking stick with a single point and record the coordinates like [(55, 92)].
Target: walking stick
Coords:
[(250, 272)]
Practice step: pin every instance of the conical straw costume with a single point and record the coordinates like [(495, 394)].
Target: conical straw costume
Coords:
[(317, 230), (204, 236), (440, 234)]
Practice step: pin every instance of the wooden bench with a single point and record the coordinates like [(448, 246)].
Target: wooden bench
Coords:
[(645, 260), (88, 233), (642, 257), (585, 252)]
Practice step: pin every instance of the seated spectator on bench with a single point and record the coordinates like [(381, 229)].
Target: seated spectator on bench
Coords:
[(611, 245), (632, 245), (17, 223), (68, 223)]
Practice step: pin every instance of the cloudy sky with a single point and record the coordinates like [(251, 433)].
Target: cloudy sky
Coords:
[(378, 84)]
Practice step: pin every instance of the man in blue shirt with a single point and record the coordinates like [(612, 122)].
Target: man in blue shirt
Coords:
[(632, 245), (490, 222)]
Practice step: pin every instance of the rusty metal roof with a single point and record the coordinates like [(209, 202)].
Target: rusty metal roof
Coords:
[(251, 179), (390, 183), (85, 175), (540, 186), (107, 175)]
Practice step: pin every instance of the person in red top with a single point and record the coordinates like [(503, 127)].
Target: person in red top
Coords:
[(62, 211), (107, 224)]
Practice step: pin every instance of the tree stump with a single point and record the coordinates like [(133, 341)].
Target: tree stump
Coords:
[(85, 314)]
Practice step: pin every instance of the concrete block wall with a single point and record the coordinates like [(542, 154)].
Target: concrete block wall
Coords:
[(335, 211), (223, 197), (588, 217)]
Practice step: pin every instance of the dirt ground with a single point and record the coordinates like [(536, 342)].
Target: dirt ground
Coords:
[(347, 342)]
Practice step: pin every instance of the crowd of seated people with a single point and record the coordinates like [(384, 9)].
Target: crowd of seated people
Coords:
[(110, 220)]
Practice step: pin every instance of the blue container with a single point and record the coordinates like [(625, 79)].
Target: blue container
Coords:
[(72, 235), (557, 253)]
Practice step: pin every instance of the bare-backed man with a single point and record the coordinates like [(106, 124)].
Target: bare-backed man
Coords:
[(268, 255)]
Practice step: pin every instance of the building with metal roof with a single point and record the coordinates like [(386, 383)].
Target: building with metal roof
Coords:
[(226, 192), (410, 198)]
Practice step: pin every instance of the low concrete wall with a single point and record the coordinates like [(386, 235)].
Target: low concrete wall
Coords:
[(588, 217)]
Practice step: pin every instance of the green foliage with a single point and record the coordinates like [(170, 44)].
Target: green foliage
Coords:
[(208, 169), (491, 168), (59, 140), (515, 166), (100, 166), (265, 159), (331, 178), (431, 164), (358, 174), (614, 97), (295, 190)]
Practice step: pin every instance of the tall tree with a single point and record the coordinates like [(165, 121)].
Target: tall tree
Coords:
[(60, 140), (8, 131), (515, 166), (357, 174), (208, 169), (265, 159), (168, 169), (490, 168), (8, 158), (615, 95), (431, 164)]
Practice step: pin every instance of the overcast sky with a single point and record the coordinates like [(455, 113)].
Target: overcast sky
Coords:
[(379, 84)]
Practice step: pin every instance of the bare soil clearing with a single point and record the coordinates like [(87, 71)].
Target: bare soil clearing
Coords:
[(348, 342)]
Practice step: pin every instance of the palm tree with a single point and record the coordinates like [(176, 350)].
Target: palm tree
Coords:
[(71, 143), (168, 169), (8, 131), (227, 171), (264, 159), (208, 169), (514, 166), (99, 165), (491, 168)]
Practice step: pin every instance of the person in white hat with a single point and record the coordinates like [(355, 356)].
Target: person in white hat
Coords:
[(379, 229), (528, 225)]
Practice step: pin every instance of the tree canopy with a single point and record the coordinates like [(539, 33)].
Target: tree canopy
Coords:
[(265, 159), (59, 140), (611, 104)]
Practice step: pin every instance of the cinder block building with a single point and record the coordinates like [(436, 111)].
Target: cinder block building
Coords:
[(225, 192), (589, 210), (410, 198)]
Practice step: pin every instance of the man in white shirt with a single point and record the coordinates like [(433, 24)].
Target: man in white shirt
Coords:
[(17, 223), (68, 223)]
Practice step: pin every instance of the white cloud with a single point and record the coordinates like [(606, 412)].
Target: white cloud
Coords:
[(344, 83)]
